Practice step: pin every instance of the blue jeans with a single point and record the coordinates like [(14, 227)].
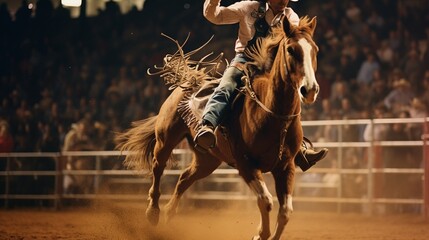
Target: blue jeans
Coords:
[(222, 96)]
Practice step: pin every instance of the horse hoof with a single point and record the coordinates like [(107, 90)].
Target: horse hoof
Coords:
[(256, 238), (169, 214), (152, 214)]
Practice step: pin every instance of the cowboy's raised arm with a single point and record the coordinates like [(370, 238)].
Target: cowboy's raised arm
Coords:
[(223, 15), (292, 16)]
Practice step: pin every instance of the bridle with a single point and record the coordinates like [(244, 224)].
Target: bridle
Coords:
[(248, 91)]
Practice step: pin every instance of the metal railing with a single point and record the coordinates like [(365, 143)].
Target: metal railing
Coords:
[(11, 174)]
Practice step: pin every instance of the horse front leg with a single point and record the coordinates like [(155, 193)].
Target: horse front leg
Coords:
[(284, 181), (264, 199), (201, 166)]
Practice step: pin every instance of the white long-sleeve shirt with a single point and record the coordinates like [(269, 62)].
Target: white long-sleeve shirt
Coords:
[(241, 13)]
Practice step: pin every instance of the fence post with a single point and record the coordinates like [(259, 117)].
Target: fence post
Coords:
[(340, 167), (378, 176), (97, 179), (370, 190), (7, 183), (59, 181), (425, 138), (56, 184)]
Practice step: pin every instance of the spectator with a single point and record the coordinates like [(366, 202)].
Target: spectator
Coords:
[(112, 9), (6, 139), (377, 93), (133, 111), (425, 54), (386, 55), (425, 89), (395, 41), (347, 111), (339, 91), (367, 69), (417, 110), (346, 68), (413, 69), (353, 12), (326, 112), (49, 140), (396, 157), (400, 97), (375, 21), (77, 139), (380, 130)]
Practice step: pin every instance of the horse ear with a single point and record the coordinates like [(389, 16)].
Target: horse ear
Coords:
[(287, 26), (312, 25)]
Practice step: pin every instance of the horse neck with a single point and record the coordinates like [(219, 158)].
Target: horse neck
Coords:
[(280, 95)]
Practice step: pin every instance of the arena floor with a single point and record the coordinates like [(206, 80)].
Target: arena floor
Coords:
[(127, 221)]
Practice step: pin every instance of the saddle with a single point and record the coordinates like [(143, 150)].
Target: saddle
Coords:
[(192, 106)]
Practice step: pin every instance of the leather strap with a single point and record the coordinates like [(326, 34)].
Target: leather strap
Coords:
[(240, 66), (251, 93)]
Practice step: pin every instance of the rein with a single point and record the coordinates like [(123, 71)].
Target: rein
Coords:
[(287, 118), (248, 91)]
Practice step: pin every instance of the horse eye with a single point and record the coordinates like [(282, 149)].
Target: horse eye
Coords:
[(295, 53)]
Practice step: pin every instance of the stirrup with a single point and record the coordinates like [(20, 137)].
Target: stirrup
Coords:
[(205, 139), (304, 143), (306, 161)]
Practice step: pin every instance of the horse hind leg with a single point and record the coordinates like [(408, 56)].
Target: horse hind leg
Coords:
[(202, 165), (162, 153)]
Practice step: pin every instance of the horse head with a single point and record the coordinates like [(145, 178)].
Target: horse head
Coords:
[(301, 57)]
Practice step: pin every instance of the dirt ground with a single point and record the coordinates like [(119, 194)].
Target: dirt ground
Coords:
[(127, 221)]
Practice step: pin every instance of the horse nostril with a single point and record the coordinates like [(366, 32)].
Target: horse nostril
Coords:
[(303, 91), (317, 89)]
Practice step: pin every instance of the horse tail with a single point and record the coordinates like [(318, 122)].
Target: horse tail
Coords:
[(138, 142)]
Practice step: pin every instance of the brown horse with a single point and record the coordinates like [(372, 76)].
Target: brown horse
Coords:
[(262, 134)]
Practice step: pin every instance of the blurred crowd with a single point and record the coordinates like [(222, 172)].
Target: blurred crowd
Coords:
[(373, 63), (70, 83), (59, 72), (85, 78)]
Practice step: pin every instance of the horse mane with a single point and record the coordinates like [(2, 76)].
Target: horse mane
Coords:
[(261, 52), (264, 50)]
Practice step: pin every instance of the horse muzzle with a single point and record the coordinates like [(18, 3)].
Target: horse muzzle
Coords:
[(309, 95)]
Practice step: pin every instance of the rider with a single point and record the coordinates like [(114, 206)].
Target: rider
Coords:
[(253, 18)]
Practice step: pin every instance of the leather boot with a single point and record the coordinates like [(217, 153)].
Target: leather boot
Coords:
[(308, 157), (205, 138)]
